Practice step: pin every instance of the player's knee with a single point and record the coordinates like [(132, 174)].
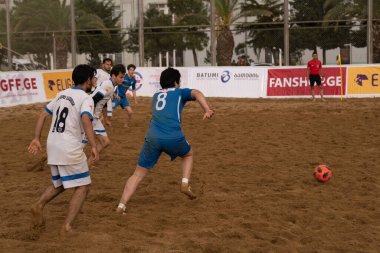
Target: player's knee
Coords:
[(106, 142), (190, 153)]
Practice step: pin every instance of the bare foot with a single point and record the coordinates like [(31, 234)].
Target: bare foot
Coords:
[(37, 215), (126, 125), (314, 100), (186, 189), (323, 100), (66, 229)]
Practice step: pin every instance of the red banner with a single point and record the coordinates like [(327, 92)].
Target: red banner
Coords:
[(294, 82)]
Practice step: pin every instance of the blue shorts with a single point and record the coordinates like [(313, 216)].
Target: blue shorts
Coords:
[(153, 147), (123, 102)]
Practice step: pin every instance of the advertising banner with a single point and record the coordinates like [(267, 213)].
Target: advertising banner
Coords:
[(239, 82), (21, 88), (55, 82), (294, 82), (363, 80)]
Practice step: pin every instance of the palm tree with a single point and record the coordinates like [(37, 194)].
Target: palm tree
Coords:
[(227, 13), (44, 17)]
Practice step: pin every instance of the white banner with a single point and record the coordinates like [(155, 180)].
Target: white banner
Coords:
[(238, 82), (148, 80), (21, 88)]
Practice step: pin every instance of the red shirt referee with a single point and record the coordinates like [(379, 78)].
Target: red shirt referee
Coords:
[(315, 73)]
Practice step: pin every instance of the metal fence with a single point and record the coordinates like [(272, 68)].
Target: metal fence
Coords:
[(190, 33)]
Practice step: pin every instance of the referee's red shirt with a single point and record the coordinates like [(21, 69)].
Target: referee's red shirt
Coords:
[(314, 66)]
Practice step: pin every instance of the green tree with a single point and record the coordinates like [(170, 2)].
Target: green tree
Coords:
[(158, 36), (227, 13), (318, 32), (191, 13), (41, 17), (3, 37), (268, 35), (356, 12), (94, 41), (37, 23)]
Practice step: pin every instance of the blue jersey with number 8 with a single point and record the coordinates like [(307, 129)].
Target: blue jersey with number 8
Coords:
[(167, 110)]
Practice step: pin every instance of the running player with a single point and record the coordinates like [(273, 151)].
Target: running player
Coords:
[(120, 97), (315, 73), (101, 95), (102, 75), (165, 133), (72, 111)]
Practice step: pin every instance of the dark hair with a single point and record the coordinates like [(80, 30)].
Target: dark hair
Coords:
[(82, 73), (117, 69), (107, 59), (168, 78), (131, 66), (314, 53)]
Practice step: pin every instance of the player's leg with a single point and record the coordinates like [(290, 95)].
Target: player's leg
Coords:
[(125, 105), (180, 147), (104, 141), (187, 166), (312, 83), (131, 186), (75, 206), (100, 132), (37, 208), (148, 157), (49, 194), (129, 115), (75, 176), (320, 87)]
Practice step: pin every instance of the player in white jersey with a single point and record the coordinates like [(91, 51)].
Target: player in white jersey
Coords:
[(72, 111), (101, 95), (102, 75)]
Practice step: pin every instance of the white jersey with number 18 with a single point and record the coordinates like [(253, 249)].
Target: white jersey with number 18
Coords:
[(66, 138)]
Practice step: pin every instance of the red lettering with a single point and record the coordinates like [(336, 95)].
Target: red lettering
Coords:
[(34, 84), (26, 83), (10, 83), (18, 83), (3, 85)]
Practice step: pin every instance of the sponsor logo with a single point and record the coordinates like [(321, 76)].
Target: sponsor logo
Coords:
[(360, 78), (246, 76), (207, 76), (331, 81), (374, 79), (139, 80), (225, 76)]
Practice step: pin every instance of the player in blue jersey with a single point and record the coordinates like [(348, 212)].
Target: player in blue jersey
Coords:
[(165, 133), (120, 97)]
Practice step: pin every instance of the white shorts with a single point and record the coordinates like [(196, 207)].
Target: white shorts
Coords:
[(70, 175), (98, 127)]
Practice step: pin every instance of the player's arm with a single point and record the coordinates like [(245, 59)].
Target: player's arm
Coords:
[(35, 145), (197, 95), (88, 129), (307, 71)]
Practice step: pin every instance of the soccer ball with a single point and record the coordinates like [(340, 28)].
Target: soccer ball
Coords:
[(322, 173)]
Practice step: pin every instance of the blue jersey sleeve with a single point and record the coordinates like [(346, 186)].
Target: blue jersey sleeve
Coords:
[(186, 95)]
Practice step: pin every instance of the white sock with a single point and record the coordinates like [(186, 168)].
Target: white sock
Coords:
[(121, 206), (185, 180)]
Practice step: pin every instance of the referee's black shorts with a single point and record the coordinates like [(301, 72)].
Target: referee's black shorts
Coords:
[(315, 79)]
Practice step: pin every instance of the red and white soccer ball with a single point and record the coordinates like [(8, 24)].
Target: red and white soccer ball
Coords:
[(322, 173)]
